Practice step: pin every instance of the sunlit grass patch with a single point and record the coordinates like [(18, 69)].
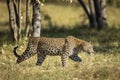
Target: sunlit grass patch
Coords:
[(61, 15), (98, 66)]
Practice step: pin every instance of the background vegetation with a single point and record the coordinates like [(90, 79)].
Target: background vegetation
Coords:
[(60, 21)]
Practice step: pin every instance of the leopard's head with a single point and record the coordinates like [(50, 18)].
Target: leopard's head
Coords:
[(87, 47)]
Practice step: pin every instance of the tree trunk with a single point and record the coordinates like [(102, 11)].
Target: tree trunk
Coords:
[(36, 19), (19, 20), (90, 12), (27, 29), (92, 18), (100, 12), (103, 13), (84, 7), (12, 21), (16, 13)]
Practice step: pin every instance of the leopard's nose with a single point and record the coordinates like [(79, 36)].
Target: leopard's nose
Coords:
[(92, 52)]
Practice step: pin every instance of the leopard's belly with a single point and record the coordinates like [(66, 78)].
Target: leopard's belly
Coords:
[(50, 50), (55, 48)]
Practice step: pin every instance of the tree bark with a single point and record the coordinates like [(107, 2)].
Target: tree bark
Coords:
[(84, 7), (103, 13), (19, 20), (100, 10), (36, 19), (92, 18), (90, 12), (12, 20), (27, 29)]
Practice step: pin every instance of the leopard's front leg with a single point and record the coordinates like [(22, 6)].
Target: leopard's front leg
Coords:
[(64, 59), (67, 51), (75, 57)]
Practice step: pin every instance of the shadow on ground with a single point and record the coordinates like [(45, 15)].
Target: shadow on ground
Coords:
[(104, 41)]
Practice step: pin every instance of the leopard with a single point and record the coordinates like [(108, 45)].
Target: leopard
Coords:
[(67, 48)]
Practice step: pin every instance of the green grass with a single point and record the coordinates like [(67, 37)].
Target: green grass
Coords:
[(61, 21)]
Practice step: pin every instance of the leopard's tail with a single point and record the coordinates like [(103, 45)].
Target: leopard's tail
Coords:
[(15, 53), (26, 54)]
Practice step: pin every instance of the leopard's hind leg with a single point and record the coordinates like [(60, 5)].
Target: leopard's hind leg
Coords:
[(40, 59)]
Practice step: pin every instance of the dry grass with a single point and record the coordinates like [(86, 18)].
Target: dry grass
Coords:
[(94, 67)]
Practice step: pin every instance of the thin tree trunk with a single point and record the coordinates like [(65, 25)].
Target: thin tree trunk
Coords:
[(16, 13), (103, 13), (98, 14), (90, 12), (19, 19), (27, 29), (36, 19), (84, 7), (101, 21), (12, 21), (92, 18)]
